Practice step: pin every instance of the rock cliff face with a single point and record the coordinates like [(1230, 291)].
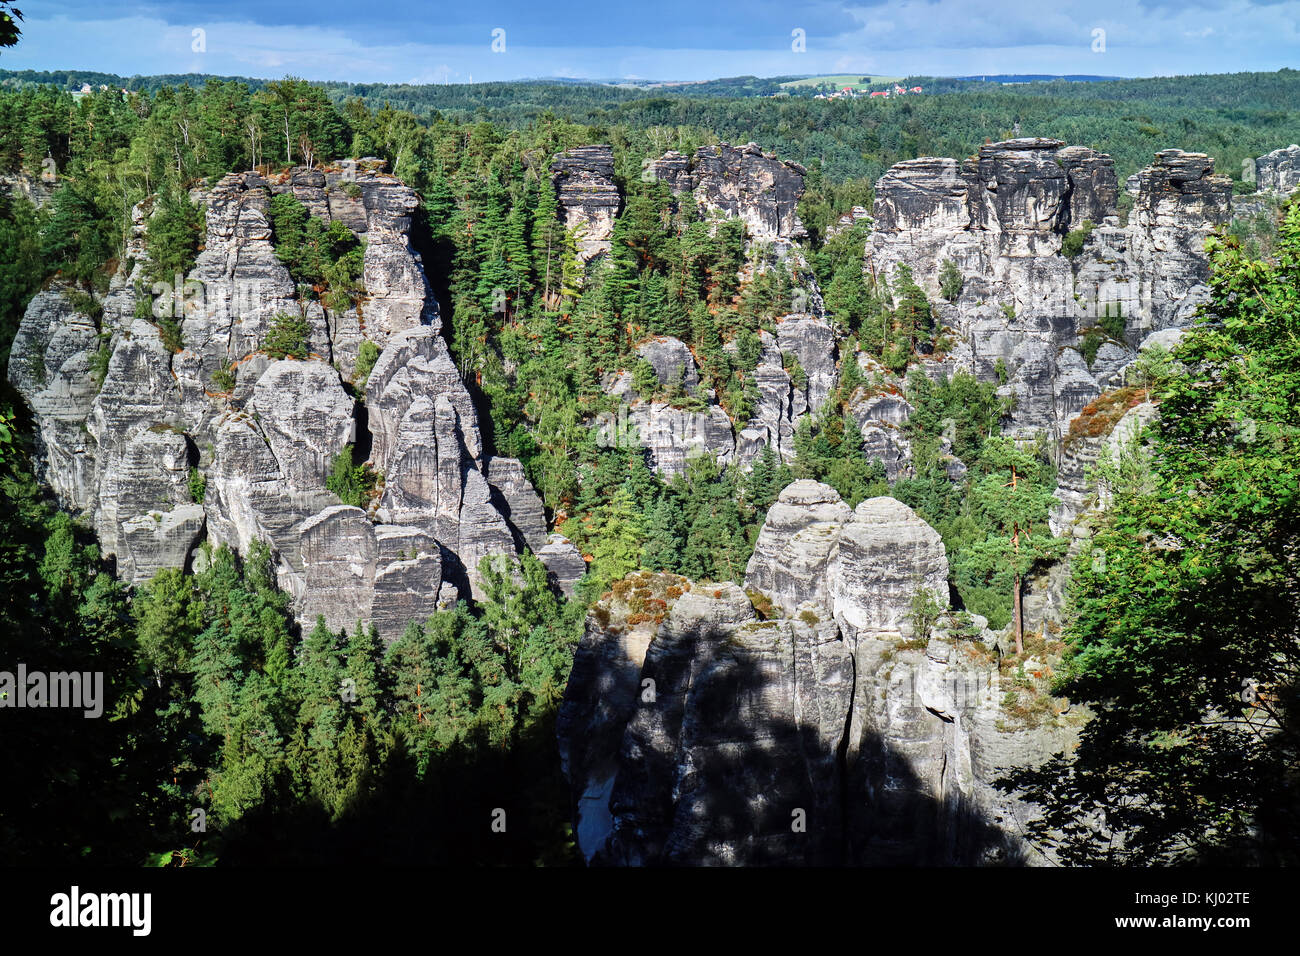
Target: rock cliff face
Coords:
[(693, 732), (588, 196), (122, 452), (673, 431), (739, 182), (1278, 172), (1002, 216), (1094, 438)]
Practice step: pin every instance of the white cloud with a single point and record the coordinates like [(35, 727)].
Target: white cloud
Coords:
[(901, 36)]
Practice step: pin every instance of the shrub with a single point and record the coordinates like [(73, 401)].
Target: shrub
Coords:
[(175, 230), (353, 483), (749, 349), (923, 614), (1072, 244), (798, 377), (287, 337), (99, 362), (169, 330), (198, 485), (1091, 343), (644, 380), (85, 303), (224, 379), (367, 355), (317, 254), (1113, 325), (950, 280)]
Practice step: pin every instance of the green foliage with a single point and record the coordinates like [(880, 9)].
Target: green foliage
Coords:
[(644, 380), (85, 303), (169, 330), (198, 485), (923, 613), (830, 449), (1184, 614), (288, 337), (232, 707), (99, 361), (21, 268), (1113, 324), (75, 237), (223, 379), (327, 258), (172, 237), (950, 280), (1091, 344), (352, 482), (1074, 240), (367, 355), (1154, 369), (798, 377)]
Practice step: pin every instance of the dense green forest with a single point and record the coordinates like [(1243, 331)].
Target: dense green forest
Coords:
[(218, 702), (1230, 116)]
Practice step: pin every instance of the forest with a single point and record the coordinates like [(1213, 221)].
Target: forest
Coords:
[(218, 701)]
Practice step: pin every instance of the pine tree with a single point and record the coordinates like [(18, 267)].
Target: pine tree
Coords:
[(616, 544), (548, 241), (665, 536)]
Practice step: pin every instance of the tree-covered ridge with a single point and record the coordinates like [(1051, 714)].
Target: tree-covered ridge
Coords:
[(536, 335), (1230, 116)]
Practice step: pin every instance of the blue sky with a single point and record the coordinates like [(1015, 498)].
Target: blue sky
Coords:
[(398, 41)]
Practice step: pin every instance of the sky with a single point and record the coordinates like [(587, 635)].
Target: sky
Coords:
[(401, 41)]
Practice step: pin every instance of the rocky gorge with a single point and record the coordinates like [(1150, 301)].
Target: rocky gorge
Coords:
[(806, 715)]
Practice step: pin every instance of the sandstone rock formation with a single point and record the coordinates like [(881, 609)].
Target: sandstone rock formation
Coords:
[(881, 418), (1096, 437), (674, 430), (1002, 216), (564, 562), (692, 732), (1278, 172), (739, 182), (588, 196), (672, 361), (793, 551), (807, 342), (123, 451)]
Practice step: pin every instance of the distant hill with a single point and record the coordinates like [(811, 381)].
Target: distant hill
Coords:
[(1037, 77)]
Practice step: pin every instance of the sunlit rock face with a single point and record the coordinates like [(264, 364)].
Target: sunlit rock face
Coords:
[(588, 196), (1002, 218), (162, 455), (1277, 172)]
